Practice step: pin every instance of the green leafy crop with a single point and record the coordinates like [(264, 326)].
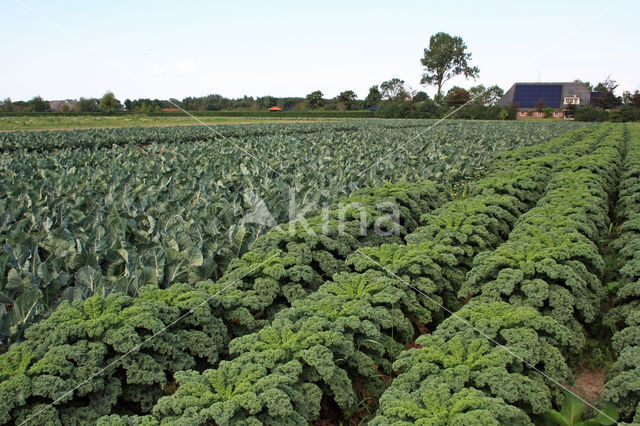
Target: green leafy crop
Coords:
[(92, 356)]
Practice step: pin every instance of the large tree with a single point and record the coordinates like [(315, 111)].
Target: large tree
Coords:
[(37, 104), (394, 90), (6, 105), (457, 97), (486, 96), (373, 98), (109, 103), (420, 97), (314, 100), (634, 99), (348, 98), (446, 57), (608, 98), (86, 105)]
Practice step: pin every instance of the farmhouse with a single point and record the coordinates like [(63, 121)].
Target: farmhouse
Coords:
[(532, 98)]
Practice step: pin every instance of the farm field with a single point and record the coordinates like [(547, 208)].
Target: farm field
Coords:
[(112, 210), (457, 279), (55, 122)]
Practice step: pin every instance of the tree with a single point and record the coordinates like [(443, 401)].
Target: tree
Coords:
[(486, 96), (109, 103), (420, 97), (608, 98), (65, 107), (348, 98), (37, 104), (456, 97), (634, 99), (86, 105), (6, 105), (394, 90), (128, 105), (446, 58), (540, 105), (373, 98), (314, 100)]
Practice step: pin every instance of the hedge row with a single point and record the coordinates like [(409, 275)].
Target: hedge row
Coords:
[(499, 358), (623, 381), (238, 113), (335, 346)]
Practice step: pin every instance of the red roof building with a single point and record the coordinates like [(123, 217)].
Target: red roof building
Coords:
[(275, 108)]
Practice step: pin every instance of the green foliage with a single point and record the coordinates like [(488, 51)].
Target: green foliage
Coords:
[(551, 260), (339, 341), (91, 357), (393, 90), (108, 103), (300, 257), (373, 97), (439, 404), (590, 113), (548, 112), (457, 97), (314, 100), (487, 96), (78, 226), (493, 352), (446, 57), (572, 410), (6, 105), (623, 380), (322, 319), (37, 104)]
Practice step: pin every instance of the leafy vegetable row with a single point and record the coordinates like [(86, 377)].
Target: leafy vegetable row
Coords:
[(623, 381), (104, 138), (91, 356), (337, 343), (81, 221), (499, 358)]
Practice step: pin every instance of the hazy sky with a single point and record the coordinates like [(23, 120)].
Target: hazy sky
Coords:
[(162, 49)]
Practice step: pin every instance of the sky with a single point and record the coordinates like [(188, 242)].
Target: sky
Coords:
[(173, 49)]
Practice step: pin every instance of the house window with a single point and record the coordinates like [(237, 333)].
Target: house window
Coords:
[(523, 113), (572, 100), (539, 114), (556, 114)]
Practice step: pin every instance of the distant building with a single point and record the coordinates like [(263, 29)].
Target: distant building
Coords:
[(56, 106), (373, 108), (563, 98), (275, 108)]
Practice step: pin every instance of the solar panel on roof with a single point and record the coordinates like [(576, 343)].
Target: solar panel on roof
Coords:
[(529, 95)]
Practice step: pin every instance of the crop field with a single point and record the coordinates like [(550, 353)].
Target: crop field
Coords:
[(465, 273), (54, 122)]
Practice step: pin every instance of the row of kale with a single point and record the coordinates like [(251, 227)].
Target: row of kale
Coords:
[(622, 386), (91, 356), (503, 357), (336, 346), (63, 359)]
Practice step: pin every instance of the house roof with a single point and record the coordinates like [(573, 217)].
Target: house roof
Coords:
[(275, 108), (373, 108), (529, 95)]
